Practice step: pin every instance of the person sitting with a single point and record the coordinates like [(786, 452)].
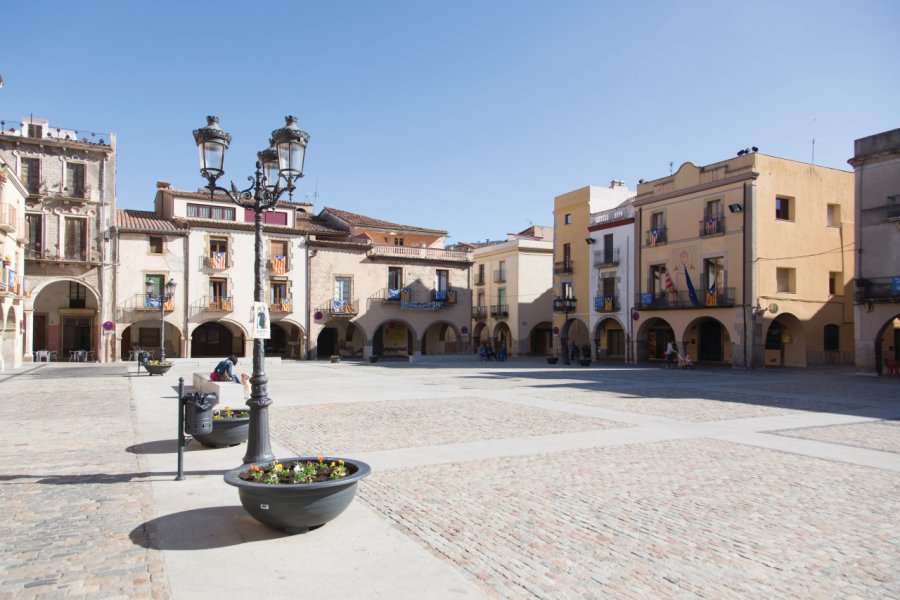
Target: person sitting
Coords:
[(225, 370), (501, 356)]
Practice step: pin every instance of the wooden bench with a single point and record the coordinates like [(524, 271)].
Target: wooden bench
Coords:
[(230, 394)]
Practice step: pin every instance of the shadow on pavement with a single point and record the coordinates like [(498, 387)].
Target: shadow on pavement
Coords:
[(105, 478), (202, 529), (166, 447)]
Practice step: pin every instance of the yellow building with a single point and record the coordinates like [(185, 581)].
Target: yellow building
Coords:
[(573, 296), (747, 262)]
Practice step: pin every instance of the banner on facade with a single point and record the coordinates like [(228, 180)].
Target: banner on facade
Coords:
[(260, 321)]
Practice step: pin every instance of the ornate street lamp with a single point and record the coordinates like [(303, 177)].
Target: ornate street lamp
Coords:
[(163, 298), (564, 305), (277, 168)]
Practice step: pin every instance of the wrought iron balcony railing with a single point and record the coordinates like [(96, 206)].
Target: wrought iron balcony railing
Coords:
[(216, 261), (445, 296), (500, 310), (280, 305), (682, 299), (563, 267), (79, 256), (151, 302), (340, 308), (877, 290), (564, 305), (656, 236), (712, 226), (605, 304), (478, 279), (500, 276), (606, 259), (479, 312), (9, 217), (220, 304)]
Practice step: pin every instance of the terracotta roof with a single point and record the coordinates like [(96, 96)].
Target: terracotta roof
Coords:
[(357, 220), (144, 220), (312, 226)]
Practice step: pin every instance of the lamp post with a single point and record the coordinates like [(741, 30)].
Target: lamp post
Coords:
[(164, 297), (277, 168), (566, 305)]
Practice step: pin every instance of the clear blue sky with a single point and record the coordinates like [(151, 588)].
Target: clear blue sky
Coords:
[(468, 116)]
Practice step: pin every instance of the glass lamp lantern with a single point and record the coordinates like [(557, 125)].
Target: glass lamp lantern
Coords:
[(268, 158), (290, 144), (212, 142), (170, 287)]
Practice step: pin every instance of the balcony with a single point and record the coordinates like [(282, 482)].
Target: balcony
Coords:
[(280, 305), (563, 268), (12, 283), (82, 256), (445, 296), (682, 299), (877, 290), (712, 226), (340, 308), (606, 304), (151, 303), (9, 219), (216, 261), (656, 236), (220, 304), (500, 310), (500, 276), (277, 265), (564, 305), (479, 279), (603, 258), (479, 312), (418, 253)]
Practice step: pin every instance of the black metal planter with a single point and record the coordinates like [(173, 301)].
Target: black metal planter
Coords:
[(298, 507), (160, 369), (552, 360), (226, 432)]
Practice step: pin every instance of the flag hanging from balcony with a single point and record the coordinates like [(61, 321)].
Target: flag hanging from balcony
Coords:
[(608, 303), (217, 260), (654, 236), (278, 265), (670, 287), (711, 299), (710, 225), (338, 306), (393, 294), (692, 293)]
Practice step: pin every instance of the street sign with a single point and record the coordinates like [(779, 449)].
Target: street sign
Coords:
[(109, 326)]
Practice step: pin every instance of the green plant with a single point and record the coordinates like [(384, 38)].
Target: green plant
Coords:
[(296, 472), (335, 358), (158, 363), (230, 413)]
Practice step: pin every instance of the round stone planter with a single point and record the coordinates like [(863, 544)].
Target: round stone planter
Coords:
[(158, 369), (552, 359), (226, 432), (298, 507)]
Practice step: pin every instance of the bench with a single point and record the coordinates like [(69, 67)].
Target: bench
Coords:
[(230, 394)]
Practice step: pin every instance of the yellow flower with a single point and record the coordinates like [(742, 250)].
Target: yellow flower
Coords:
[(278, 467)]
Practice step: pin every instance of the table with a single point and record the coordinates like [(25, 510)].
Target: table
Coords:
[(78, 355), (41, 356)]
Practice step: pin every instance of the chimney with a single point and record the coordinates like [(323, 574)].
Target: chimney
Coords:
[(616, 183), (163, 185)]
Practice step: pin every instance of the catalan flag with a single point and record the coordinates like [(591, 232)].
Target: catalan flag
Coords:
[(711, 299), (278, 265), (654, 236), (217, 260), (670, 287)]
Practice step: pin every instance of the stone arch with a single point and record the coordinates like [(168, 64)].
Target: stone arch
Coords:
[(218, 338), (288, 340), (501, 334), (65, 318), (609, 339), (706, 339), (441, 337), (8, 337), (887, 343), (540, 339), (652, 337), (785, 342), (394, 337), (340, 337), (144, 335), (574, 331)]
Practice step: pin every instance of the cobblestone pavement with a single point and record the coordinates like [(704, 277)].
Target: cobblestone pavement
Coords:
[(71, 494), (882, 435)]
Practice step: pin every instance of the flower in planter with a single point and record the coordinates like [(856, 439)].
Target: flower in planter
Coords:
[(229, 413), (335, 358), (296, 472), (157, 363)]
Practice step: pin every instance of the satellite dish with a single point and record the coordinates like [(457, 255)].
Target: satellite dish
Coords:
[(773, 308)]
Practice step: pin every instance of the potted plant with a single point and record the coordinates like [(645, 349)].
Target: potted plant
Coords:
[(155, 367), (335, 358), (552, 359), (230, 428), (297, 494), (374, 358), (585, 358)]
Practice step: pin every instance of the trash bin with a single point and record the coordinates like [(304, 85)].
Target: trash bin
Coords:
[(198, 412), (143, 357)]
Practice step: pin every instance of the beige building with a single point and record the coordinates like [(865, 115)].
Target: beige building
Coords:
[(572, 262), (747, 262), (14, 283), (512, 287), (69, 176), (387, 290), (876, 161)]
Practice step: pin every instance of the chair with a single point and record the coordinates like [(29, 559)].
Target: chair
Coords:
[(892, 367), (90, 356), (51, 355)]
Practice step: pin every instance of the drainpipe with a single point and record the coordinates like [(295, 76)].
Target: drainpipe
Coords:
[(185, 339), (744, 295), (306, 320)]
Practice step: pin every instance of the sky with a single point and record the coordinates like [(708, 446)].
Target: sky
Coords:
[(467, 116)]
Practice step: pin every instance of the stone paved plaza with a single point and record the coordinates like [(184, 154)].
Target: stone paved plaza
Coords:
[(520, 480)]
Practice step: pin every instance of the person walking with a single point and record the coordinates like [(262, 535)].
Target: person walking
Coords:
[(671, 351)]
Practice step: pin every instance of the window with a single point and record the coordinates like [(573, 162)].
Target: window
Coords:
[(479, 277), (608, 287), (480, 299), (269, 217), (34, 131), (31, 174), (34, 225), (76, 238), (501, 298), (567, 255), (834, 283), (658, 220), (785, 280), (157, 281), (713, 218), (279, 291), (398, 241), (442, 280), (783, 209), (394, 282), (658, 280), (832, 337), (502, 270), (567, 290), (205, 211), (608, 248), (217, 245), (218, 289), (713, 278), (568, 219), (833, 215), (75, 180), (156, 244), (342, 286), (77, 297)]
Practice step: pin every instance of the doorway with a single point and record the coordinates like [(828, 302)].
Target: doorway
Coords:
[(327, 342), (76, 332)]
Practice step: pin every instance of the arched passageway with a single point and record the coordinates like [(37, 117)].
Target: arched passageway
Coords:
[(214, 339), (393, 338)]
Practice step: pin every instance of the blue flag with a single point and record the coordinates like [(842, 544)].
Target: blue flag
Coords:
[(692, 293)]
